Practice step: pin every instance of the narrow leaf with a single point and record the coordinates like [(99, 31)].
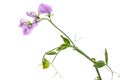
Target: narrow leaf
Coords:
[(99, 64), (51, 53), (106, 56), (66, 41), (45, 63), (62, 47)]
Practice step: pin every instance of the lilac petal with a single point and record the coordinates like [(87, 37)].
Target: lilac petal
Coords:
[(23, 23), (34, 25), (31, 14), (44, 8), (27, 30)]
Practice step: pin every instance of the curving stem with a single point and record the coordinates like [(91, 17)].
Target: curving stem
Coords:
[(73, 45)]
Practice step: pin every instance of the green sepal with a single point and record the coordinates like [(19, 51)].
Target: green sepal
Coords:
[(51, 53), (66, 41), (99, 64), (106, 56), (49, 15), (45, 63)]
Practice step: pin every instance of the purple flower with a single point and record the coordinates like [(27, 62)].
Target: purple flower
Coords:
[(23, 23), (32, 14), (27, 26), (44, 8), (27, 30)]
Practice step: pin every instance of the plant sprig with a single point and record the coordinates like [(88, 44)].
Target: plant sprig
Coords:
[(27, 27)]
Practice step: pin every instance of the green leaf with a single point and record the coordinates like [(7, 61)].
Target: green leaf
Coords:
[(62, 47), (99, 64), (45, 63), (106, 56), (51, 53), (66, 41)]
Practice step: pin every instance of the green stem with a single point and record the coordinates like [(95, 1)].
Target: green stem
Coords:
[(74, 47), (61, 32), (77, 49), (99, 76), (80, 51)]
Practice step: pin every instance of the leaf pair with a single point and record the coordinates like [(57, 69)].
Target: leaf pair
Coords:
[(65, 45), (62, 47), (101, 63), (66, 41)]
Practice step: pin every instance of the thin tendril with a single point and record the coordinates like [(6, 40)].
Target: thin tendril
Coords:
[(55, 57), (110, 71), (56, 71)]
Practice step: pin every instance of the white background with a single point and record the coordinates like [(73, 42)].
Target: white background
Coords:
[(95, 23)]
